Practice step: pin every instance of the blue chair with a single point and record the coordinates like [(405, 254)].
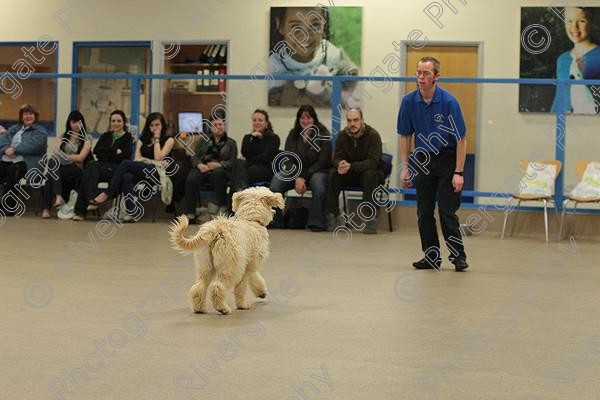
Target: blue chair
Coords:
[(387, 171)]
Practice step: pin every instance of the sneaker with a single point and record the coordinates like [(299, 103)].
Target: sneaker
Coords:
[(77, 218), (92, 207), (371, 227), (424, 263), (460, 264)]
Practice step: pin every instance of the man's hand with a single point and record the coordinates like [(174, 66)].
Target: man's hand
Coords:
[(203, 168), (10, 152), (212, 165), (343, 167), (405, 176), (300, 185), (457, 182)]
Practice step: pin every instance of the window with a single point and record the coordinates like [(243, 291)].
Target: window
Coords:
[(97, 98), (17, 62)]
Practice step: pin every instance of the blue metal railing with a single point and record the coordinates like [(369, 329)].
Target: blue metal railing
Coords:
[(562, 85)]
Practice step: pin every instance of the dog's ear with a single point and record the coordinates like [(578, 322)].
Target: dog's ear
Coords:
[(235, 200), (275, 200)]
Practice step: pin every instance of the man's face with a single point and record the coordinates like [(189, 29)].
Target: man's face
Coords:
[(354, 122), (426, 76)]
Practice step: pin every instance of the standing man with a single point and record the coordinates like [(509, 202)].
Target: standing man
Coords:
[(356, 161), (434, 116)]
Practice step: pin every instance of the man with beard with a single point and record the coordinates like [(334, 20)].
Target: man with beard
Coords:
[(356, 161)]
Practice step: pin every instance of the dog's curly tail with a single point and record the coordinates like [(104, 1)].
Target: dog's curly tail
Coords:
[(180, 242)]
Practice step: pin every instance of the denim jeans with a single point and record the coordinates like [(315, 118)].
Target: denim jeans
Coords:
[(318, 186), (216, 180)]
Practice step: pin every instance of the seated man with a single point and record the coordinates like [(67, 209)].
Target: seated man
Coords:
[(356, 161)]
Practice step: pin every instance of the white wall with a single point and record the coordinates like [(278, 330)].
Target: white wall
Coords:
[(504, 135)]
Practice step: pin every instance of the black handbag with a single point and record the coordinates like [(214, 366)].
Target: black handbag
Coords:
[(296, 218)]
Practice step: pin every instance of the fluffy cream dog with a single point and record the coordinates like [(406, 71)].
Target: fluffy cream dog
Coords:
[(236, 248)]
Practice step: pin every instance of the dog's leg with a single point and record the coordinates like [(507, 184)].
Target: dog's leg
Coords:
[(197, 293), (258, 285), (240, 294), (218, 293)]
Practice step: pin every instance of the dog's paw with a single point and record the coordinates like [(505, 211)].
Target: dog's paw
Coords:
[(243, 306), (199, 310), (262, 295), (224, 311)]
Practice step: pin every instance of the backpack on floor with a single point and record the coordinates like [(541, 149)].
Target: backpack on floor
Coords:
[(296, 218)]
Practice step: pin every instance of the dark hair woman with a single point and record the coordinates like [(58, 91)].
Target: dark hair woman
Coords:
[(65, 167), (259, 148), (112, 148), (311, 163), (154, 146)]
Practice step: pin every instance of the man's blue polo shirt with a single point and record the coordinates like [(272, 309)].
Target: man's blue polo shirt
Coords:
[(437, 125)]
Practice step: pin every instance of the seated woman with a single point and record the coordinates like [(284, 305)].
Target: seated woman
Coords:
[(212, 162), (154, 145), (112, 148), (314, 161), (259, 148), (70, 154), (22, 147)]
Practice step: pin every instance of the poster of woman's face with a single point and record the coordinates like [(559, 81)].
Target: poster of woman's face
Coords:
[(560, 43), (313, 41)]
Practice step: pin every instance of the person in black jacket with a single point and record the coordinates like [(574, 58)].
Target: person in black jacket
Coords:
[(111, 149), (310, 143), (356, 161), (211, 162), (65, 167), (259, 148)]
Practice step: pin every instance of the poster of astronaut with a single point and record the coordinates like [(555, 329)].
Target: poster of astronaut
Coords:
[(314, 41), (560, 43)]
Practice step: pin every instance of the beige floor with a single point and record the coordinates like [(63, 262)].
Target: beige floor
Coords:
[(357, 322)]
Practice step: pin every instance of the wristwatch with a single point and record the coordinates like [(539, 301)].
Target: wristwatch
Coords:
[(458, 173)]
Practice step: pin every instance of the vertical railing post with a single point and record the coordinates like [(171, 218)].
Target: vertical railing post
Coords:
[(562, 88), (336, 100), (135, 101)]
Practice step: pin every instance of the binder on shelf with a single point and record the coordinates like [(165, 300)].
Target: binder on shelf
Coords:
[(214, 81), (221, 88), (223, 54), (199, 81), (209, 51), (204, 56), (206, 80), (215, 53)]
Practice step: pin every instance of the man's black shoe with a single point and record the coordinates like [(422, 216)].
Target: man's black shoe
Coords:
[(460, 264), (426, 264)]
